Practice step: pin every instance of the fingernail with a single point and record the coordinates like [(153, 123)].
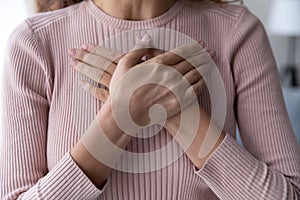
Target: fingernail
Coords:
[(202, 43), (212, 53), (146, 38), (72, 52), (73, 63)]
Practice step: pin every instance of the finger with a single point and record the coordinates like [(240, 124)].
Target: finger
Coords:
[(167, 58), (192, 76), (177, 55), (108, 53), (88, 47), (212, 53), (198, 87), (95, 74), (105, 79), (99, 93), (90, 59), (144, 43), (199, 58), (202, 43), (188, 50), (183, 67), (202, 62), (153, 53), (193, 92)]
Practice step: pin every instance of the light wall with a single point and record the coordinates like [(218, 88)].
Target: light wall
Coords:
[(261, 9)]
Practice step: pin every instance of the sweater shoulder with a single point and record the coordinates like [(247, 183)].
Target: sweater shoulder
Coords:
[(231, 12), (43, 20)]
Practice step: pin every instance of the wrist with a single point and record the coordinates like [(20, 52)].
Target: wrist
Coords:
[(201, 162), (207, 128), (110, 128), (172, 124), (193, 151)]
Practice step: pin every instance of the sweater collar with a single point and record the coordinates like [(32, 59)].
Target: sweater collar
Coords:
[(131, 24)]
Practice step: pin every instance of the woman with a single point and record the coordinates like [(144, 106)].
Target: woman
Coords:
[(40, 156)]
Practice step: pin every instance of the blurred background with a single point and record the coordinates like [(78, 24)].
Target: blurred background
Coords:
[(280, 17)]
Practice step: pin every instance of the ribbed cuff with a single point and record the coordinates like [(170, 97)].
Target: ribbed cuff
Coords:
[(67, 181), (230, 170)]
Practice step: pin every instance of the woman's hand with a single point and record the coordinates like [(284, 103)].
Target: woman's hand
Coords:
[(99, 63), (134, 59), (105, 62)]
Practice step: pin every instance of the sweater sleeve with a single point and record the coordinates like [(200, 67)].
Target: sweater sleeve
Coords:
[(23, 162), (268, 166)]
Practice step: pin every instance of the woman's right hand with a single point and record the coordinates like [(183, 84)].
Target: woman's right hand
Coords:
[(169, 73), (149, 94)]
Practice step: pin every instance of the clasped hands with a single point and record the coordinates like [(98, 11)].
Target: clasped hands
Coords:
[(175, 71)]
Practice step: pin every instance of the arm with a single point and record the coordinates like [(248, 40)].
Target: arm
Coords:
[(97, 171), (269, 166), (23, 162)]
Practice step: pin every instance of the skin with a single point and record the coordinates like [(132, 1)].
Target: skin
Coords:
[(134, 9), (97, 171)]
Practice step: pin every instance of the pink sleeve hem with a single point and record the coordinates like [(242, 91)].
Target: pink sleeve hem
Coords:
[(65, 181), (231, 172)]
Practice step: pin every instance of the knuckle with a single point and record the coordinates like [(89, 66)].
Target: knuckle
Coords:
[(80, 54), (102, 94), (195, 74), (159, 60), (85, 56), (186, 64)]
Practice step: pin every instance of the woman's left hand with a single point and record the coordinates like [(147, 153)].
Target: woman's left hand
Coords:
[(99, 63)]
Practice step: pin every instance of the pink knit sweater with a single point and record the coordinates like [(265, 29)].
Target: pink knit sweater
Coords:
[(42, 119)]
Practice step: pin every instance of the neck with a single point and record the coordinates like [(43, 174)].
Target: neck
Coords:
[(134, 9)]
